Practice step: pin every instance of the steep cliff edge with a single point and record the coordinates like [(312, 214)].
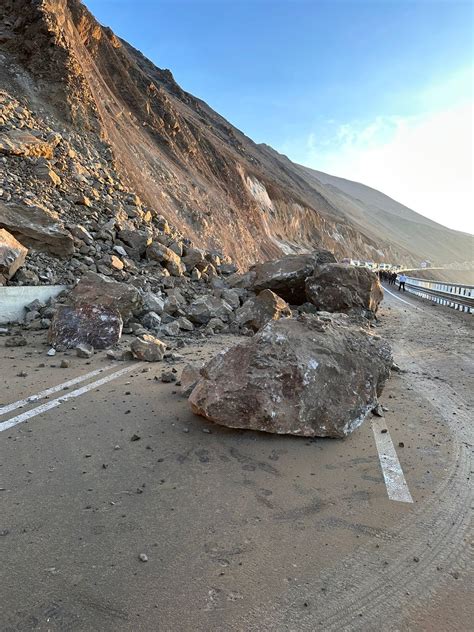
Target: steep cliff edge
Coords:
[(187, 163)]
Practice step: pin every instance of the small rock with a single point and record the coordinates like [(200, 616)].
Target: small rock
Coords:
[(51, 352), (378, 411), (84, 351), (168, 376), (148, 348), (143, 558), (401, 444), (135, 437), (16, 341), (64, 364)]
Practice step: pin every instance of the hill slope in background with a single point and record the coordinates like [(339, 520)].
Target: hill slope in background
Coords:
[(189, 164)]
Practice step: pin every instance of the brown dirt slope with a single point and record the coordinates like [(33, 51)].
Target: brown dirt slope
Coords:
[(466, 277), (204, 175)]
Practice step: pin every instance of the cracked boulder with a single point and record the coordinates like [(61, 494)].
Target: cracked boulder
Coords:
[(75, 325), (259, 310), (309, 376), (97, 289), (37, 227), (335, 287), (12, 255), (206, 307), (171, 261), (286, 276)]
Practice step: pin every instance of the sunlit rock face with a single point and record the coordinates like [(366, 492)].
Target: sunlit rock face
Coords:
[(311, 376)]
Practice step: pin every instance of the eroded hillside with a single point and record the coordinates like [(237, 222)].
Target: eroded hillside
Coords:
[(127, 120)]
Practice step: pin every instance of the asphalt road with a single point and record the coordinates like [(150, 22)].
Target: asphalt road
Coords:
[(242, 531)]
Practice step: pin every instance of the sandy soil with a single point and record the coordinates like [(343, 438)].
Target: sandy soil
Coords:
[(243, 531), (466, 277)]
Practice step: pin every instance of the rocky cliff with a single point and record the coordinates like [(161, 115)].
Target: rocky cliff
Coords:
[(92, 133)]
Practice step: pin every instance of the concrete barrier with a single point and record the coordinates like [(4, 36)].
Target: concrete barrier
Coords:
[(14, 298)]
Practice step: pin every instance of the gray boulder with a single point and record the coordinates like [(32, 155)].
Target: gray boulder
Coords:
[(37, 227), (307, 376), (12, 255), (94, 325), (335, 287), (97, 289), (171, 261), (286, 276), (258, 310), (206, 307)]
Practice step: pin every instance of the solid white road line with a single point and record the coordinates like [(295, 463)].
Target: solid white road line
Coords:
[(397, 488), (49, 391), (64, 398), (402, 299)]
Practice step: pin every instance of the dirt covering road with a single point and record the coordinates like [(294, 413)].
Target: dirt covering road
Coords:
[(241, 530)]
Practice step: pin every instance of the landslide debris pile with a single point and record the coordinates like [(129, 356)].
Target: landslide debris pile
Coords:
[(97, 143), (84, 220), (306, 368)]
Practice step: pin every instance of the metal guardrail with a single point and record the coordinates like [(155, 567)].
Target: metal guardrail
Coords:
[(455, 295)]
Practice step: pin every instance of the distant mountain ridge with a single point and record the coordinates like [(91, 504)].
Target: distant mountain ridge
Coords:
[(205, 176)]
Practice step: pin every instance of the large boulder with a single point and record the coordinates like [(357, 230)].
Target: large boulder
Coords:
[(162, 254), (193, 258), (97, 289), (336, 287), (37, 227), (258, 310), (286, 276), (309, 376), (136, 241), (206, 307), (95, 325), (18, 142), (12, 255)]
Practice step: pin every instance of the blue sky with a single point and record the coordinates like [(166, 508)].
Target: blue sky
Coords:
[(375, 91)]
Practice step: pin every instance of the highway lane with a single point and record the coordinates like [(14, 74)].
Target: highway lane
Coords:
[(242, 531)]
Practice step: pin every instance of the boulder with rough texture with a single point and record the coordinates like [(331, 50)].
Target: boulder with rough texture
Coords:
[(153, 302), (206, 307), (258, 310), (37, 227), (84, 351), (97, 289), (95, 325), (190, 376), (336, 287), (286, 276), (193, 257), (308, 376), (80, 232), (136, 240), (167, 257), (18, 142), (148, 348), (12, 255)]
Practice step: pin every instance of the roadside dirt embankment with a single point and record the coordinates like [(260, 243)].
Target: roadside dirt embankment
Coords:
[(466, 277)]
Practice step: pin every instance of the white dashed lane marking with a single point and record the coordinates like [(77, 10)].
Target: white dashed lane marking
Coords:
[(18, 419), (8, 408), (397, 488)]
